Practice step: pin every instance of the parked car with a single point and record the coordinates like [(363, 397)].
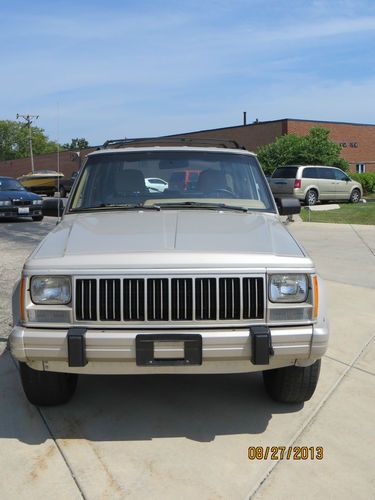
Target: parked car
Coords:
[(64, 186), (313, 183), (17, 201), (201, 281), (155, 185)]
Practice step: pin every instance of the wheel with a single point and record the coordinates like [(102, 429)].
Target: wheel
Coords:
[(311, 197), (355, 196), (47, 388), (37, 218), (62, 192), (292, 384)]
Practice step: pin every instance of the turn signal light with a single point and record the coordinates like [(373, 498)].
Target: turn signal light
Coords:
[(22, 298), (316, 297)]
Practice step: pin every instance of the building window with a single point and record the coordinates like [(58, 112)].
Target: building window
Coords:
[(361, 168)]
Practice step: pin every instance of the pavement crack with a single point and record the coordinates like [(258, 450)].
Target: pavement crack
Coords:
[(61, 451), (362, 239), (363, 370), (312, 417), (44, 420), (348, 364)]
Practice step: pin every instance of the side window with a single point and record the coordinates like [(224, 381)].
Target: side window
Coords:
[(327, 173), (340, 175), (309, 173)]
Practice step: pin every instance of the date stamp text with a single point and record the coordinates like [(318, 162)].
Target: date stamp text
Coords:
[(285, 452)]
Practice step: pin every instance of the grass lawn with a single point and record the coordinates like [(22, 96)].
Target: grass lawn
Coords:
[(348, 213)]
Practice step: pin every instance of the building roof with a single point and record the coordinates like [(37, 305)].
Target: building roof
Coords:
[(273, 121)]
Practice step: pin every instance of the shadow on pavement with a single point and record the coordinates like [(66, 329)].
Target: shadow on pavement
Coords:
[(123, 408), (24, 232)]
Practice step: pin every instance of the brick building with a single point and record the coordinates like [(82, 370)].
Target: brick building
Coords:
[(69, 162), (357, 141)]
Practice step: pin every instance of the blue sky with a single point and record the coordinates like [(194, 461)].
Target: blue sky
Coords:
[(111, 69)]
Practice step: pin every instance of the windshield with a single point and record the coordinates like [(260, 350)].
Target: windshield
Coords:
[(10, 185), (167, 179)]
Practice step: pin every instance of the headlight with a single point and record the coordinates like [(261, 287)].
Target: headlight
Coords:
[(5, 203), (37, 202), (50, 290), (288, 288)]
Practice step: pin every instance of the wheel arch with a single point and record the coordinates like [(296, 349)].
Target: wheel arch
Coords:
[(312, 187)]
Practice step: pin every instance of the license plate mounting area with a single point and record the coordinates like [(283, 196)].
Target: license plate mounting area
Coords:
[(149, 350)]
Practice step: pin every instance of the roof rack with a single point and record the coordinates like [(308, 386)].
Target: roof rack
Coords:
[(224, 143)]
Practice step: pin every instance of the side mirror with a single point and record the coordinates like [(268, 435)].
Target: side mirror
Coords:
[(54, 207), (288, 206)]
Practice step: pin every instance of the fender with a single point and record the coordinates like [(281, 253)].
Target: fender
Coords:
[(15, 314)]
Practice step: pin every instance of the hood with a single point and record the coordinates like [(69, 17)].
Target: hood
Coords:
[(18, 195), (184, 238)]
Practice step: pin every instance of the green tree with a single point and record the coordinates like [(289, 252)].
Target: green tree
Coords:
[(14, 142), (77, 143), (316, 148)]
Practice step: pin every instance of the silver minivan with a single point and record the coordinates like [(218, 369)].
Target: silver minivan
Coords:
[(311, 183)]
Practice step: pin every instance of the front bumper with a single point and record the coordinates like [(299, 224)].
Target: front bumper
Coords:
[(114, 351), (33, 211)]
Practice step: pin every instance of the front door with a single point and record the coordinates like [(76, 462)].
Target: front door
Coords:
[(342, 185)]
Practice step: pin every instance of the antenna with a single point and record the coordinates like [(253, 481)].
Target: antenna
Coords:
[(58, 163), (29, 120)]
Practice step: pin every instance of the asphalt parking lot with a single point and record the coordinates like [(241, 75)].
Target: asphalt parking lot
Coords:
[(188, 436)]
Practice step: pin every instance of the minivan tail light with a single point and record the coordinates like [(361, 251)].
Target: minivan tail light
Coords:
[(297, 183)]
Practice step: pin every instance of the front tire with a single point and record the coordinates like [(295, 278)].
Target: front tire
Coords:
[(292, 384), (355, 196), (311, 197), (47, 388)]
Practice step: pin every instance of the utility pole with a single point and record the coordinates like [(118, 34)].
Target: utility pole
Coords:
[(29, 120)]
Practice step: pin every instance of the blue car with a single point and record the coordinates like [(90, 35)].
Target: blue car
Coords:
[(16, 201)]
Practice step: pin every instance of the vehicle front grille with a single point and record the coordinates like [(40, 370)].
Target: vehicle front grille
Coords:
[(21, 203), (182, 299)]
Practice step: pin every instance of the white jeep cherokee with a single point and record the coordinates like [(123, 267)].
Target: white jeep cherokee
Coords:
[(200, 278)]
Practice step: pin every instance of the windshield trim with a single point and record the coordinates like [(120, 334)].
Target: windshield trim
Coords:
[(109, 206), (251, 159)]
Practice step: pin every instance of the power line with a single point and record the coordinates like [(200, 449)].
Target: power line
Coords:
[(29, 120)]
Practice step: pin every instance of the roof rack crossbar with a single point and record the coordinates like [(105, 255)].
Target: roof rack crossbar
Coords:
[(225, 143)]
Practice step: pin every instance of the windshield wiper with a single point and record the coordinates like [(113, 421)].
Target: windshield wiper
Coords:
[(196, 204), (110, 206)]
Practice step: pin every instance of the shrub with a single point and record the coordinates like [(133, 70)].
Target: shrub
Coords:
[(367, 180), (313, 149)]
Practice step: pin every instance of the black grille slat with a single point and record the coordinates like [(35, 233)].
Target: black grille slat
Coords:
[(188, 299), (253, 298), (229, 298), (86, 300), (205, 299), (157, 299), (182, 299), (134, 299), (109, 300)]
